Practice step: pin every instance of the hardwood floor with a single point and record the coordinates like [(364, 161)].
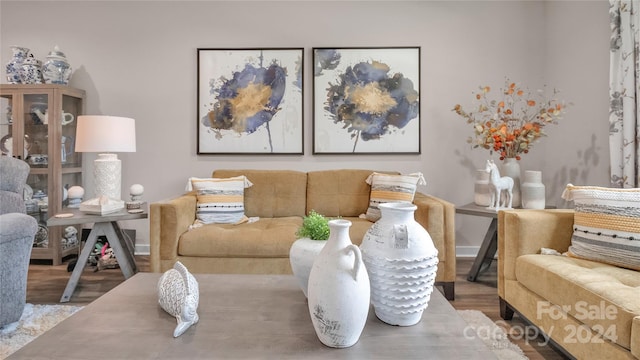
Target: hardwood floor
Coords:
[(46, 283)]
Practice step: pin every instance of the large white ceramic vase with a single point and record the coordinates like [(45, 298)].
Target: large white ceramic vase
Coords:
[(302, 254), (402, 263), (338, 291), (511, 167)]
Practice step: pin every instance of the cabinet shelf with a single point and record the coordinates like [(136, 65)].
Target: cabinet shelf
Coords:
[(48, 151)]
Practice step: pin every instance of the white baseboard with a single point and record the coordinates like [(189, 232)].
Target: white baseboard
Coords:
[(142, 249), (467, 251)]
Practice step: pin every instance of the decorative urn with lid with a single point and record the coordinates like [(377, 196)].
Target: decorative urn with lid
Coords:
[(56, 69), (31, 71)]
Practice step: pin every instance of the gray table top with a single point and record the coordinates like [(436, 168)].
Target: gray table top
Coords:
[(473, 209), (241, 317), (80, 217)]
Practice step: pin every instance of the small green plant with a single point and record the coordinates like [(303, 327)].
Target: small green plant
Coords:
[(314, 226)]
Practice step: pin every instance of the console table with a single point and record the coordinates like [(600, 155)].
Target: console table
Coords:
[(103, 225)]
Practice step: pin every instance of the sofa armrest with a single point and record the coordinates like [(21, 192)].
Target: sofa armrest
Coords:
[(523, 232), (168, 220), (437, 216)]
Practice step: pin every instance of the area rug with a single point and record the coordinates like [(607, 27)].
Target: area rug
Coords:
[(35, 320), (492, 335)]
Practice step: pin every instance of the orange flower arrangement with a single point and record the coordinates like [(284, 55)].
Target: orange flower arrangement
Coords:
[(509, 126)]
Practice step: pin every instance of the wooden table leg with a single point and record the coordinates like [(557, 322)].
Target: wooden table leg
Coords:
[(80, 265), (487, 251)]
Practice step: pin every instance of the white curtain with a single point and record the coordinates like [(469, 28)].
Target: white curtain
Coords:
[(624, 93)]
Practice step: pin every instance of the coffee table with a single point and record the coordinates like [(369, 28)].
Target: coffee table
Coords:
[(241, 317)]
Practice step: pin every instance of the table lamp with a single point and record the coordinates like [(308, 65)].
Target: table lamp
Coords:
[(106, 135)]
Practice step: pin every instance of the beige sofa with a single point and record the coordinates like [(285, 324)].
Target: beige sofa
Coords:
[(280, 198), (590, 309)]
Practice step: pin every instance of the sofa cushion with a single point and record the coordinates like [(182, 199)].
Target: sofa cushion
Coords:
[(606, 225), (358, 229), (390, 188), (275, 193), (602, 296), (220, 200), (265, 238), (335, 193)]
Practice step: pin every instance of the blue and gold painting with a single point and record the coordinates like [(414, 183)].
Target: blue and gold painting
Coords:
[(366, 100), (250, 101)]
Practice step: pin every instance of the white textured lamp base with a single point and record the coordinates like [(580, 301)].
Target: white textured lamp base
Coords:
[(107, 170)]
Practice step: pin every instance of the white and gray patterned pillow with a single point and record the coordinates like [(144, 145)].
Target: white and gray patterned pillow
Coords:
[(606, 225), (390, 188), (220, 200)]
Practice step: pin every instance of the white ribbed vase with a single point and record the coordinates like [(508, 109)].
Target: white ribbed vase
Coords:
[(339, 290), (402, 263), (533, 191)]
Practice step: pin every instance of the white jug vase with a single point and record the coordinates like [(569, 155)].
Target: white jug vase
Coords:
[(339, 290)]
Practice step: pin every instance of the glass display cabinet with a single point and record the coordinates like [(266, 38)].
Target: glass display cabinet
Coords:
[(38, 125)]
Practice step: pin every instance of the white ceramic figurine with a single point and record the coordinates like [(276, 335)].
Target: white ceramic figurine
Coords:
[(178, 294), (498, 184)]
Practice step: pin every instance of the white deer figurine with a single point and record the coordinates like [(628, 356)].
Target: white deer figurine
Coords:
[(178, 294), (498, 184)]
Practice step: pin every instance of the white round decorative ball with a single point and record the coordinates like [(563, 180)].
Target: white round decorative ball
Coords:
[(75, 192), (136, 189)]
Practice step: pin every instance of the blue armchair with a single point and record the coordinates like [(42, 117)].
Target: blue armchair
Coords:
[(17, 230)]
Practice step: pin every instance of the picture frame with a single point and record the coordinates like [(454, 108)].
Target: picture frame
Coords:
[(250, 101), (366, 100)]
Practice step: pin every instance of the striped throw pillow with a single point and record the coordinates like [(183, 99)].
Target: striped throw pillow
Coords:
[(390, 188), (220, 201), (606, 225)]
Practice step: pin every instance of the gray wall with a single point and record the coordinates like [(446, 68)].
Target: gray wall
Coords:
[(138, 59)]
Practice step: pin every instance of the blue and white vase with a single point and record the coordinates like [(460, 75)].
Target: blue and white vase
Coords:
[(56, 70), (14, 66), (31, 71)]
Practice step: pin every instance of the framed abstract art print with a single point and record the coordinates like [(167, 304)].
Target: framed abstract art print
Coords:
[(366, 100), (250, 101)]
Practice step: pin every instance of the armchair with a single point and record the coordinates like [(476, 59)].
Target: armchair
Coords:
[(17, 230)]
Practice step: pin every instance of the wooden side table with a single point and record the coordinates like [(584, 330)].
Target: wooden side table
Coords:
[(103, 225), (490, 243)]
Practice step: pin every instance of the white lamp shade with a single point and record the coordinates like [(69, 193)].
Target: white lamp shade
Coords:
[(98, 133)]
